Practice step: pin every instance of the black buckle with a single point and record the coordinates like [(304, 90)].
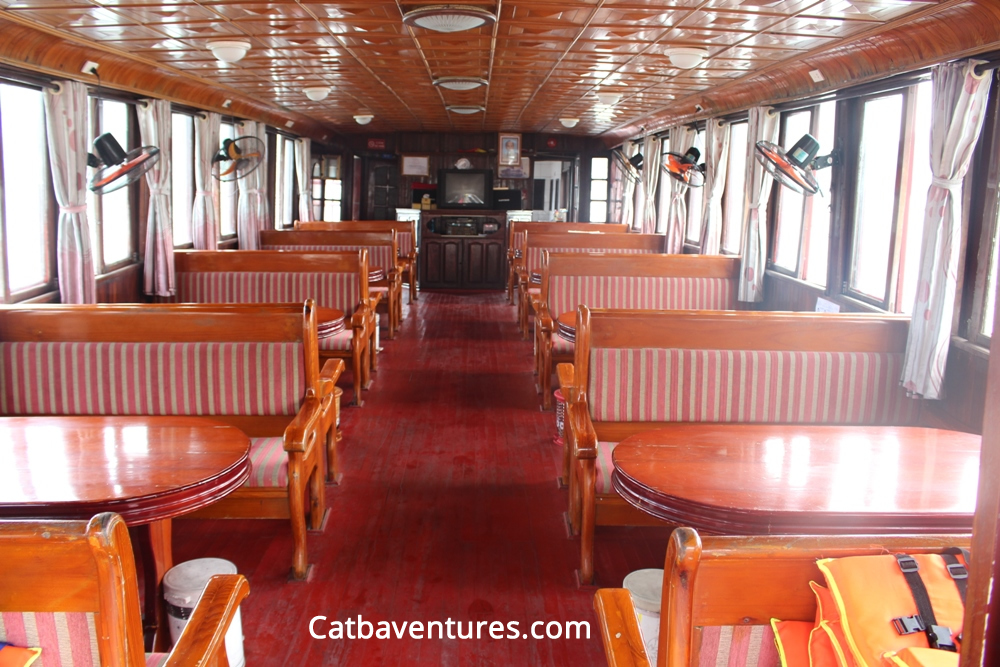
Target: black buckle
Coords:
[(907, 625), (939, 637), (957, 571), (907, 564)]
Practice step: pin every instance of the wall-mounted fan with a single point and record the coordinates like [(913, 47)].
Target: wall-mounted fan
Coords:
[(115, 167), (625, 165), (685, 168), (794, 168), (238, 157)]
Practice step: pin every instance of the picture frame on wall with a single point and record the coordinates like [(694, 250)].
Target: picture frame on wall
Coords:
[(416, 165), (522, 170), (509, 150)]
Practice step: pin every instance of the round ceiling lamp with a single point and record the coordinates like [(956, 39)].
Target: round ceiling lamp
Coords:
[(569, 122), (317, 93), (363, 118), (609, 99), (460, 82), (684, 57), (449, 18), (465, 109), (229, 50)]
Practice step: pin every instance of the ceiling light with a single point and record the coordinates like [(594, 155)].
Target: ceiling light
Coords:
[(316, 93), (569, 122), (363, 118), (685, 57), (449, 18), (229, 51), (465, 110), (460, 82), (609, 99)]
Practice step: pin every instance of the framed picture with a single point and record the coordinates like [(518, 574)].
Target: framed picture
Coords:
[(522, 170), (510, 150), (416, 165)]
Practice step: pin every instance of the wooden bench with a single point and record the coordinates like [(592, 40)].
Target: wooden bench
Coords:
[(639, 370), (382, 251), (334, 280), (656, 282), (537, 244), (406, 241), (720, 593), (69, 588), (255, 367), (517, 233)]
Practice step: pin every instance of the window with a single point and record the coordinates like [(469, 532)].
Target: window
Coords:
[(695, 198), (27, 205), (284, 182), (990, 294), (110, 215), (984, 258), (227, 191), (733, 204), (327, 189), (599, 189), (182, 176)]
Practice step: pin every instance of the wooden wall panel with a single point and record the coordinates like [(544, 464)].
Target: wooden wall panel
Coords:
[(121, 286)]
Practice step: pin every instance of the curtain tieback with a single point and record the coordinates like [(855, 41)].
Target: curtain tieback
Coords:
[(254, 191), (203, 192), (947, 183), (156, 190), (73, 209)]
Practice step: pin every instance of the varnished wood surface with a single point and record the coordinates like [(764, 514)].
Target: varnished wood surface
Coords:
[(329, 322), (566, 325), (643, 265), (761, 479), (143, 468)]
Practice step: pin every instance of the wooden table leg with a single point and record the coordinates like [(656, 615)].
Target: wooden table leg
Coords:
[(154, 544)]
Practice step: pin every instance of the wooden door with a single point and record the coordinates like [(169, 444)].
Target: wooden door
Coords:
[(484, 266), (441, 260), (380, 194)]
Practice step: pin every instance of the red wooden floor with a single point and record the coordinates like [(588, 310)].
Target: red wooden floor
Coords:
[(448, 509)]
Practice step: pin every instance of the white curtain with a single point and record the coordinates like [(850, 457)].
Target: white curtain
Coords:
[(66, 129), (252, 213), (628, 186), (154, 126), (959, 103), (762, 126), (717, 159), (303, 174), (650, 177), (204, 226), (681, 139)]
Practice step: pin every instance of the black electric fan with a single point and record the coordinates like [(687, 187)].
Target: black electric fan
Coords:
[(685, 168), (238, 157), (627, 166), (116, 168), (794, 168)]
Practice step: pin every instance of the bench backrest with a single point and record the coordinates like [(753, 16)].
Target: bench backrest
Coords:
[(647, 282), (406, 232), (629, 244), (334, 280), (381, 246), (519, 230), (643, 366)]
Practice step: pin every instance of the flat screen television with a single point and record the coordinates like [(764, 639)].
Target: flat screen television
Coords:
[(465, 188)]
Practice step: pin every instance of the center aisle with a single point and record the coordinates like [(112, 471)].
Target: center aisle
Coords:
[(448, 509)]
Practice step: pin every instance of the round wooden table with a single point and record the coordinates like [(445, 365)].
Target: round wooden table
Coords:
[(147, 469), (375, 274), (330, 322), (773, 479), (566, 325)]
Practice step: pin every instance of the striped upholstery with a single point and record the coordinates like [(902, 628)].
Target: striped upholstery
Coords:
[(68, 378), (65, 638), (518, 240), (561, 346), (738, 646), (339, 342), (378, 255), (331, 290), (404, 243), (638, 385), (268, 462), (156, 659), (604, 467), (533, 260), (566, 293)]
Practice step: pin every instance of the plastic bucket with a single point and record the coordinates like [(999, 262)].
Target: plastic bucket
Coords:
[(183, 585), (646, 588)]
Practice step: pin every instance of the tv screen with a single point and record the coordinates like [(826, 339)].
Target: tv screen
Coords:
[(465, 188)]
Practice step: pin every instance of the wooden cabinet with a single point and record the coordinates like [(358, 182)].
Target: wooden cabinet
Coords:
[(463, 250)]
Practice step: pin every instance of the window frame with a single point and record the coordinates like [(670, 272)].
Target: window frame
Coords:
[(984, 209), (726, 194), (607, 189), (178, 111)]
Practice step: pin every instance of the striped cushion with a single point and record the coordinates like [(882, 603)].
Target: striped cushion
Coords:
[(340, 342), (378, 255), (637, 385), (738, 646), (566, 293), (331, 290), (533, 261), (65, 638), (519, 240), (404, 244), (561, 346), (156, 659), (269, 462), (604, 467), (39, 378)]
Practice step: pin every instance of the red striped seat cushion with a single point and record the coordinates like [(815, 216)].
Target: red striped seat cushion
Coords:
[(44, 378), (68, 638), (269, 462), (518, 240), (604, 467), (404, 244), (533, 259), (331, 290), (339, 342), (566, 293), (738, 646), (561, 346), (639, 385), (156, 659), (378, 255)]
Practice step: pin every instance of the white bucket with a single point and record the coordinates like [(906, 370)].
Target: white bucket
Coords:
[(646, 587), (378, 347), (183, 585)]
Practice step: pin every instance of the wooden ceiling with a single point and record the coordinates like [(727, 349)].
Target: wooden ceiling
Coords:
[(544, 59)]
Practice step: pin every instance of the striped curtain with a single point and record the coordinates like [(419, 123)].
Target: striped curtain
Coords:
[(66, 130), (252, 214), (762, 126), (959, 104), (681, 139), (716, 161), (303, 174), (650, 178), (154, 126), (204, 226)]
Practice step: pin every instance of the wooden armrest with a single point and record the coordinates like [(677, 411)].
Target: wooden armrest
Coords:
[(581, 433), (619, 629), (359, 320), (567, 376), (302, 430), (544, 317), (328, 377), (205, 633)]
